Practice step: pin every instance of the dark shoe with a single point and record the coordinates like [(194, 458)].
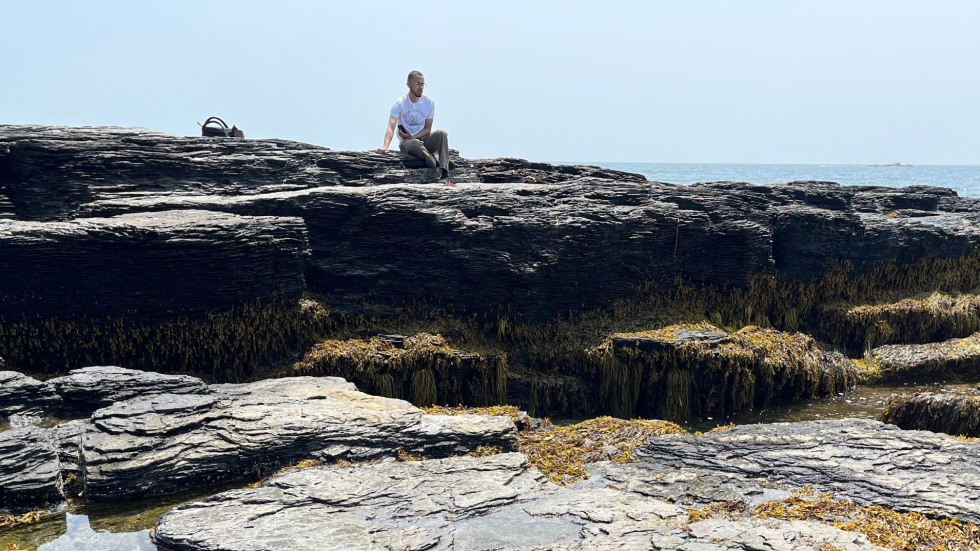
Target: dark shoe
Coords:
[(452, 165), (442, 173)]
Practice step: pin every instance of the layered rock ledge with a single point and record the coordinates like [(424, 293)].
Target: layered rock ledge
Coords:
[(165, 442), (499, 502), (533, 238)]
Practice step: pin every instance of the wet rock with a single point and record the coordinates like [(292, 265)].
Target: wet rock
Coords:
[(85, 390), (956, 413), (23, 395), (865, 461), (917, 362), (148, 264), (169, 443), (30, 474), (461, 503)]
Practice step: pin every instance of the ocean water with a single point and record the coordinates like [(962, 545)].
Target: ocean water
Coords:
[(963, 179)]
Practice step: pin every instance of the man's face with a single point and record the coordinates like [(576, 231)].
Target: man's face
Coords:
[(416, 86)]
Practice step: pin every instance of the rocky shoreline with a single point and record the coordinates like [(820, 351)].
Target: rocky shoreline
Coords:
[(262, 286)]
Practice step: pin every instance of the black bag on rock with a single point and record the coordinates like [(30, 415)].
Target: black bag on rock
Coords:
[(216, 128)]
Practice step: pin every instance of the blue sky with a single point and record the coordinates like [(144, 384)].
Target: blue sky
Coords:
[(754, 81)]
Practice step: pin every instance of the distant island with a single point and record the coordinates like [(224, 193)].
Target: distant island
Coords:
[(892, 164)]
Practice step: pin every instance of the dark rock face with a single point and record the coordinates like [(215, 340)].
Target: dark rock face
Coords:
[(51, 173), (865, 461), (151, 263), (85, 390), (539, 239), (462, 503)]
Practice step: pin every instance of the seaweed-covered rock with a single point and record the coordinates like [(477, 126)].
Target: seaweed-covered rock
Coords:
[(683, 372), (956, 358), (956, 413), (917, 320), (85, 390), (423, 369)]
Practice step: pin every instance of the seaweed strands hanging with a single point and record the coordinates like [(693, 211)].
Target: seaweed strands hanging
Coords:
[(682, 372)]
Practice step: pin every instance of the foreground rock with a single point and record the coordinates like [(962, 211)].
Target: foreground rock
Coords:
[(956, 413), (85, 390), (658, 502), (867, 462), (169, 443), (167, 434), (462, 503)]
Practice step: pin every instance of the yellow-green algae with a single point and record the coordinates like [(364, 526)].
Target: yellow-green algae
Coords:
[(562, 453), (557, 373), (655, 374), (926, 318), (882, 525)]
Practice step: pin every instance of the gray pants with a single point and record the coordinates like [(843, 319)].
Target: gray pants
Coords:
[(437, 142)]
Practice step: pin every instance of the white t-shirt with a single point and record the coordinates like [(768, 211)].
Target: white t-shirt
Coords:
[(413, 115)]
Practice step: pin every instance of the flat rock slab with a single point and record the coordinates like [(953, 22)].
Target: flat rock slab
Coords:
[(174, 442), (468, 503), (865, 461), (85, 390)]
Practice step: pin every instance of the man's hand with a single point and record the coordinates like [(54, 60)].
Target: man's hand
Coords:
[(404, 135), (383, 149)]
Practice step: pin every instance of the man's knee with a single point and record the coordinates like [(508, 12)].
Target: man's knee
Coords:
[(440, 135)]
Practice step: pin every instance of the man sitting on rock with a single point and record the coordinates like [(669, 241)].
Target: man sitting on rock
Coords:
[(412, 114)]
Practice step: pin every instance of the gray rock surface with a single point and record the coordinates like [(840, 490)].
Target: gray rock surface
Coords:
[(865, 461), (90, 388), (23, 395), (148, 263), (168, 443), (462, 503), (30, 472)]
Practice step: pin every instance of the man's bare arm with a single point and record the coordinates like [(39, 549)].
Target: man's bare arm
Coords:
[(389, 134)]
